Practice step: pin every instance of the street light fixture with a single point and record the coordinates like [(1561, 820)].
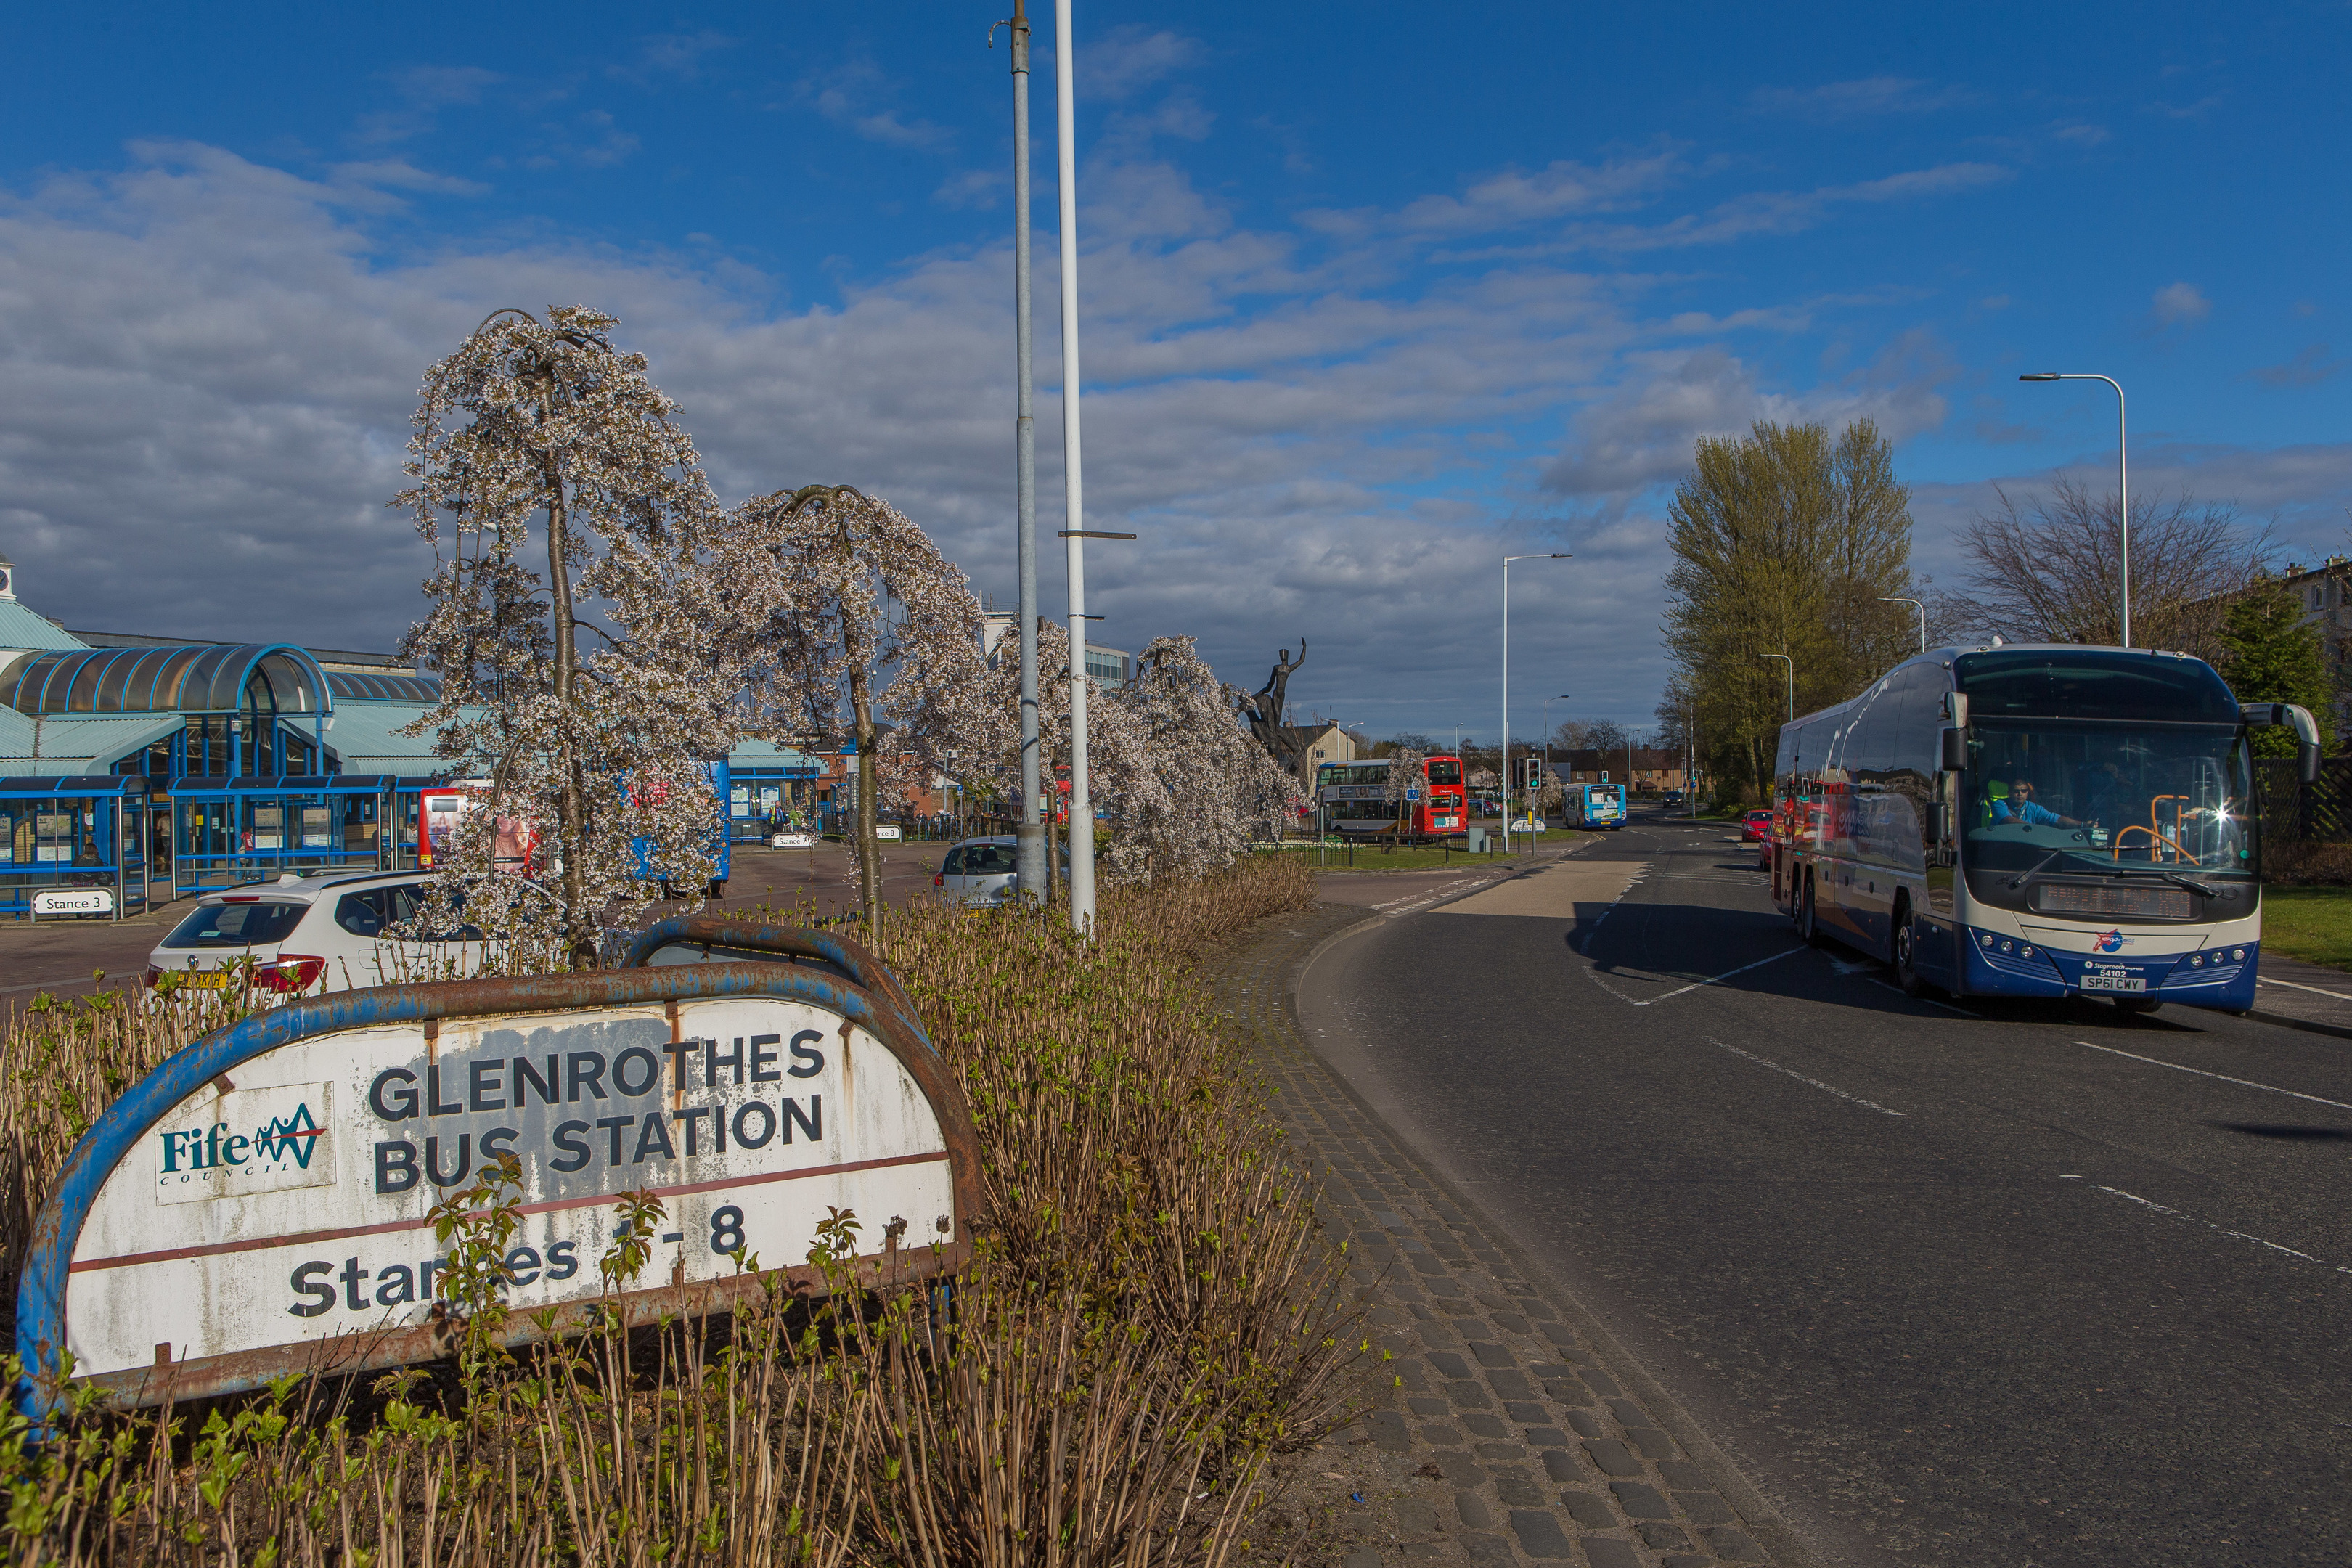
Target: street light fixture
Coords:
[(1793, 682), (2123, 482), (1923, 617), (1547, 702), (1506, 780)]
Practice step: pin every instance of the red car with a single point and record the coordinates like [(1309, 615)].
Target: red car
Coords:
[(1756, 826)]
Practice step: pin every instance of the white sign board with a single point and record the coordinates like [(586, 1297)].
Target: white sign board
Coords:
[(74, 901), (886, 830), (792, 841), (287, 1199)]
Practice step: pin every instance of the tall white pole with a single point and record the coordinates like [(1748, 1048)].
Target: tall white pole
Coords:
[(1505, 781), (1032, 854), (1082, 813)]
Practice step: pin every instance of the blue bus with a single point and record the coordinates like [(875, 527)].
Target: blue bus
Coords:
[(722, 848), (1597, 807), (2053, 820)]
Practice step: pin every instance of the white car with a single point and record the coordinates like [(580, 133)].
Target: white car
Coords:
[(983, 873), (303, 935)]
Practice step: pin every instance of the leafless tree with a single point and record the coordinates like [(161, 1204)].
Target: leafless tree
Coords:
[(2046, 569)]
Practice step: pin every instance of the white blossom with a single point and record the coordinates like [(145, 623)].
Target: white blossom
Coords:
[(872, 636), (600, 749)]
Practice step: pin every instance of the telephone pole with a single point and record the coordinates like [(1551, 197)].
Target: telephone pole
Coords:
[(1031, 856)]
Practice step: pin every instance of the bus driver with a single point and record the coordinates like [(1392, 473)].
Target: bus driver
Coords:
[(2019, 807)]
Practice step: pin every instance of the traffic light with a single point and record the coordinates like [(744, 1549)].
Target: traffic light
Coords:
[(1527, 772)]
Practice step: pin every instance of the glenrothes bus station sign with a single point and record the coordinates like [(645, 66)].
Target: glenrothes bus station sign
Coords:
[(259, 1203)]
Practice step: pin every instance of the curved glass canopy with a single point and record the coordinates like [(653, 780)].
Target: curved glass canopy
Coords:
[(213, 679), (385, 688)]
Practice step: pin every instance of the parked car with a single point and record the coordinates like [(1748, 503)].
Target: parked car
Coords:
[(983, 873), (303, 935), (1756, 826)]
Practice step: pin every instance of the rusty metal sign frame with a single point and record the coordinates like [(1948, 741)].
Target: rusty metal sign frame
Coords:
[(879, 1004)]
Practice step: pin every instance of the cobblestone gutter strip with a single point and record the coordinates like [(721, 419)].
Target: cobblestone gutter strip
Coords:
[(1521, 1432)]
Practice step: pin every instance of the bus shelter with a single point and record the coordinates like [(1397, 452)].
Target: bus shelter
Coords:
[(759, 797), (66, 841), (230, 830)]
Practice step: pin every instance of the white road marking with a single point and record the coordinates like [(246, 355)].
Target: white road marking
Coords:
[(1800, 1078), (2171, 1213), (1717, 979), (1929, 1001), (2296, 985), (2222, 1077), (1409, 903)]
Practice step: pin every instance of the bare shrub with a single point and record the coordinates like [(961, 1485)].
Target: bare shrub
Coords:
[(1150, 1314), (2048, 570)]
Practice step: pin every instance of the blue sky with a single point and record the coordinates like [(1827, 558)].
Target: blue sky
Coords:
[(1371, 295)]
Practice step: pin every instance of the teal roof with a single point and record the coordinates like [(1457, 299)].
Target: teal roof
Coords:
[(367, 739), (74, 745), (21, 628), (765, 754)]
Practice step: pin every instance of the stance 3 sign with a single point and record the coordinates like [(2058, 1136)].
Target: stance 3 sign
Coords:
[(261, 1202)]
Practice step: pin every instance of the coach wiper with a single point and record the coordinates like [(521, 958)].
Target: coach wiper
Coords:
[(2029, 874), (2205, 890)]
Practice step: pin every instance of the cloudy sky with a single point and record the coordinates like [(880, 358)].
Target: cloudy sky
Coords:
[(1371, 295)]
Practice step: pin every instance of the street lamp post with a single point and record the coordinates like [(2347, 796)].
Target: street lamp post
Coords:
[(1506, 780), (1793, 682), (1559, 697), (1923, 617), (2123, 483)]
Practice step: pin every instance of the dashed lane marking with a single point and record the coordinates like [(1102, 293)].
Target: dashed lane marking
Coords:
[(1718, 979), (2171, 1213), (2222, 1077), (2297, 985), (1800, 1078)]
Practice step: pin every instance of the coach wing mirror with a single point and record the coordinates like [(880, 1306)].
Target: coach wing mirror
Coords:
[(1956, 751), (2306, 732)]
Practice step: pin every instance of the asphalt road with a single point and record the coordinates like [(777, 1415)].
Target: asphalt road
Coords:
[(2031, 1286)]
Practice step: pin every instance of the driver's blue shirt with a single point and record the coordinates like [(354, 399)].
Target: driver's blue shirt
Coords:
[(2033, 814)]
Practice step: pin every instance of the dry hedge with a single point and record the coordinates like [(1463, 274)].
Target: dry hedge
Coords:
[(1151, 1314)]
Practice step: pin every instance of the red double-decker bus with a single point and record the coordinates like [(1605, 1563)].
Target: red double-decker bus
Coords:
[(1354, 799)]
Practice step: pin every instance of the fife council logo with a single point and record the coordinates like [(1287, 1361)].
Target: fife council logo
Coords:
[(246, 1141)]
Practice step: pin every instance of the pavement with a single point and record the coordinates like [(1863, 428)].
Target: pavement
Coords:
[(1504, 1423), (2015, 1283)]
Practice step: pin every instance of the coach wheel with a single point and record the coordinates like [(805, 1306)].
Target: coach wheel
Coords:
[(1809, 926), (2134, 1006), (1906, 951)]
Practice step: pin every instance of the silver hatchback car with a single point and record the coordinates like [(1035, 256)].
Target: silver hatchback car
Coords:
[(982, 873)]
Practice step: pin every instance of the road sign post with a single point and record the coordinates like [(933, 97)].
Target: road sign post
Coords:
[(260, 1203)]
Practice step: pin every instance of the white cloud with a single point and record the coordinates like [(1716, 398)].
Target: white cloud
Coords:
[(423, 90), (1852, 99), (1641, 434), (854, 95), (1131, 57), (2180, 305), (212, 364), (2308, 368), (971, 188)]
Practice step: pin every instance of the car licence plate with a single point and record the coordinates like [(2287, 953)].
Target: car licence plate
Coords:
[(2111, 980)]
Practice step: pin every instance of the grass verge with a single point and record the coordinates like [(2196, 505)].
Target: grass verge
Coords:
[(2314, 924), (1151, 1314)]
